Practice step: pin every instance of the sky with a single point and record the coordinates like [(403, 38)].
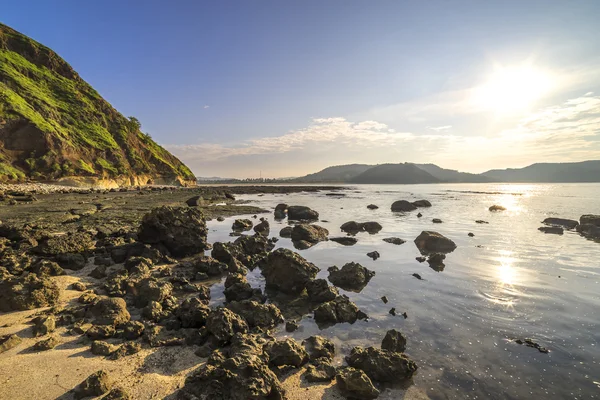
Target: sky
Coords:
[(253, 88)]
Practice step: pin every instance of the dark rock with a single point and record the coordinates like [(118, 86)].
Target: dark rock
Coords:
[(351, 227), (371, 227), (496, 207), (208, 265), (590, 220), (471, 234), (154, 312), (419, 215), (226, 252), (480, 221), (286, 232), (286, 352), (95, 385), (117, 394), (78, 286), (182, 230), (344, 240), (72, 261), (531, 343), (590, 231), (421, 203), (302, 213), (394, 240), (192, 313), (46, 344), (256, 314), (372, 207), (254, 245), (319, 291), (220, 219), (382, 365), (436, 261), (392, 311), (281, 211), (27, 292), (319, 347), (394, 341), (194, 201), (561, 222), (224, 324), (76, 242), (241, 291), (551, 229), (8, 342), (374, 255), (102, 348), (133, 330), (403, 206), (355, 384), (125, 350), (421, 259), (288, 271), (384, 299), (436, 221), (339, 310), (99, 272), (312, 234), (110, 311), (262, 228), (48, 268), (352, 276), (321, 370), (432, 242), (98, 332), (140, 265), (148, 290), (44, 325), (417, 276), (291, 326)]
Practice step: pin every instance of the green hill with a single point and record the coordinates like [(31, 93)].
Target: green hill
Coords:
[(55, 127), (395, 173)]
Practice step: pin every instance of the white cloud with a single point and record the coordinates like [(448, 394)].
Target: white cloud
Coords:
[(440, 128), (206, 106)]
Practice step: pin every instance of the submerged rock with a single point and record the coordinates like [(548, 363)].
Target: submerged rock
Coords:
[(382, 365), (403, 206), (286, 232), (353, 227), (432, 242), (394, 240), (436, 261), (372, 207), (280, 211), (355, 384), (374, 255), (241, 225), (421, 203), (288, 271), (311, 234), (339, 310), (352, 276), (319, 291), (345, 240), (557, 230), (319, 347), (302, 213), (561, 222), (496, 207), (182, 230)]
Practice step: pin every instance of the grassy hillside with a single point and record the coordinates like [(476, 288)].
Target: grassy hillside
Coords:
[(53, 124), (395, 173), (338, 173)]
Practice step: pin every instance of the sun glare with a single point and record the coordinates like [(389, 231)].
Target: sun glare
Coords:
[(511, 89)]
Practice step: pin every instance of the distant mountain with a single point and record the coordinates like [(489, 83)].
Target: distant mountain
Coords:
[(395, 173), (212, 178), (338, 173), (586, 171), (453, 176)]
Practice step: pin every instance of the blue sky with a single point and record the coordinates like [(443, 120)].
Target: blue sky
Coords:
[(287, 88)]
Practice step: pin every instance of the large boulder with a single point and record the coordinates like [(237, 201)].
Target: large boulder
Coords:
[(226, 252), (382, 365), (194, 201), (280, 211), (193, 313), (320, 370), (241, 225), (403, 206), (256, 314), (148, 290), (286, 352), (319, 347), (182, 230), (27, 292), (432, 242), (76, 242), (394, 341), (302, 213), (590, 219), (319, 291), (561, 222), (339, 310), (255, 244), (241, 374), (590, 231), (110, 311), (288, 271), (286, 232), (421, 203), (224, 324), (309, 234), (263, 228), (352, 276), (355, 384)]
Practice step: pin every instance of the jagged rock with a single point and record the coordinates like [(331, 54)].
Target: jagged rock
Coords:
[(403, 206), (98, 332), (345, 240), (48, 268), (182, 230), (590, 220), (291, 326), (339, 310), (226, 252), (394, 341), (561, 222), (224, 324), (496, 207), (288, 271), (241, 225), (262, 228), (133, 330), (125, 350), (193, 313), (110, 311), (44, 325), (321, 370), (394, 240), (27, 292), (8, 342), (240, 291), (557, 230), (302, 213), (47, 344), (117, 394), (255, 244), (374, 255), (286, 352), (139, 265), (243, 375), (99, 272), (76, 242), (436, 261), (432, 242), (352, 276), (208, 265), (381, 365), (311, 234), (355, 384), (319, 291), (95, 385), (286, 232), (319, 347), (421, 203), (256, 314), (151, 290), (194, 201), (102, 348), (154, 312)]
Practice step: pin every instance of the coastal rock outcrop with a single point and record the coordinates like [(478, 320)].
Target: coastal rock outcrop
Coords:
[(305, 236), (302, 213), (288, 271), (433, 242), (352, 276), (382, 365), (403, 206)]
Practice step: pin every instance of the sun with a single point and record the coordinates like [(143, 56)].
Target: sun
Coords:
[(512, 88)]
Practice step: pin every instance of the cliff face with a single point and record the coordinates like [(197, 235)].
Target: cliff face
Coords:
[(55, 127)]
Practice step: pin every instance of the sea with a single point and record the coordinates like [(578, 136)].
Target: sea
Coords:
[(508, 282)]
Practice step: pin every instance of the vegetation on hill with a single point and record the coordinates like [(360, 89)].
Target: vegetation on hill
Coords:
[(586, 171), (53, 124), (395, 173)]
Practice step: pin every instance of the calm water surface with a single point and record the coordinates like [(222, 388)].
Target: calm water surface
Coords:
[(509, 281)]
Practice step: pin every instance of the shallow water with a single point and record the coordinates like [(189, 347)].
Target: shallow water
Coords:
[(509, 281)]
